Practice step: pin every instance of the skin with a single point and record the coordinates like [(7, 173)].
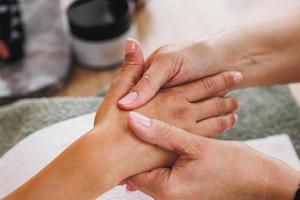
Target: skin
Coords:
[(110, 153), (265, 56), (210, 169)]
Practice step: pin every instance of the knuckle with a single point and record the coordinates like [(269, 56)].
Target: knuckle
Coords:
[(234, 103), (221, 124), (128, 63), (231, 120), (122, 81), (219, 105), (147, 80), (165, 130), (209, 85), (192, 148), (175, 66)]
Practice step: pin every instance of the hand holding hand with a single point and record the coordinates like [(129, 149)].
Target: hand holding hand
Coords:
[(210, 169), (173, 65)]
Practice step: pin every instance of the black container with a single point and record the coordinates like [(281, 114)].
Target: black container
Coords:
[(11, 29), (99, 30)]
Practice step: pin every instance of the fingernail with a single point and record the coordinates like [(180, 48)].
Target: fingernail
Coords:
[(140, 119), (129, 98), (130, 46), (238, 106), (237, 77), (236, 118)]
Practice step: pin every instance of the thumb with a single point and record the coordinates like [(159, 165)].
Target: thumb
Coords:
[(132, 68), (148, 85), (164, 135), (151, 182)]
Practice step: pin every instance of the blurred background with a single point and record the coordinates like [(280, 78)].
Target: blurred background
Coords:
[(49, 67)]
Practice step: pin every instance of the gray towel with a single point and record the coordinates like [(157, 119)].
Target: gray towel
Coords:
[(265, 111)]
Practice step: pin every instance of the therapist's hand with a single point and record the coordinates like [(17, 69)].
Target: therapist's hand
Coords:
[(172, 65), (210, 169)]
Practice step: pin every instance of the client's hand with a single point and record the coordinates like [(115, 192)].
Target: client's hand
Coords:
[(184, 106), (211, 169)]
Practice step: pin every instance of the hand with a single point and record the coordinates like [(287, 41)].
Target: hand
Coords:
[(210, 169), (110, 153), (179, 106), (176, 64), (263, 55)]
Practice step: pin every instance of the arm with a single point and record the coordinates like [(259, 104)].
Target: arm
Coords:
[(266, 53), (110, 153)]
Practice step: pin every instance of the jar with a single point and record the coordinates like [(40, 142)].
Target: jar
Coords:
[(12, 34), (99, 30)]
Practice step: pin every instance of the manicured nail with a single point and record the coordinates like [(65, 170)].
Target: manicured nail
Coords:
[(129, 98), (140, 119), (236, 118), (239, 104), (237, 77), (130, 187), (130, 46)]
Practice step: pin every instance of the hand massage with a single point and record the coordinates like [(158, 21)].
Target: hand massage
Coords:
[(159, 128)]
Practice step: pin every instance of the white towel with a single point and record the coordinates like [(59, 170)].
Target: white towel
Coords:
[(34, 152)]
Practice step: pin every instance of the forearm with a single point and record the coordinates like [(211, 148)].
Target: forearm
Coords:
[(82, 171), (92, 165), (266, 53)]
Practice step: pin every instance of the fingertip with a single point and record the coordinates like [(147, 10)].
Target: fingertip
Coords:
[(238, 105), (232, 120), (129, 99), (131, 46), (235, 104), (236, 118), (133, 100)]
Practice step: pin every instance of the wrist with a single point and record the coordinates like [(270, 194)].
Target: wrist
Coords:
[(127, 155), (266, 56), (81, 171), (245, 50)]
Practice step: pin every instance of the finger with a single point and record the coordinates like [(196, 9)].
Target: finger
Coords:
[(204, 88), (151, 182), (160, 71), (132, 68), (130, 187), (221, 94), (215, 107), (162, 134), (215, 126)]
